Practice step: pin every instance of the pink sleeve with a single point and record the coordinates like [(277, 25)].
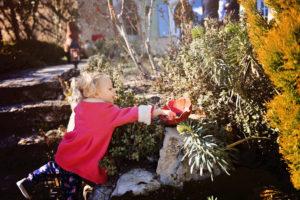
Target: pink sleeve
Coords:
[(123, 116)]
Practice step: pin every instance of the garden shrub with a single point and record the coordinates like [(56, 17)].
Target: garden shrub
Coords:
[(277, 48), (197, 32), (28, 54), (98, 63), (220, 74), (218, 71), (203, 150)]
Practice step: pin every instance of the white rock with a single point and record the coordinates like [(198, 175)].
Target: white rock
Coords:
[(137, 181), (171, 170), (101, 193)]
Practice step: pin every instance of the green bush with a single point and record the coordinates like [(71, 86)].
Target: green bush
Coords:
[(203, 150), (221, 76), (98, 63), (219, 73), (197, 32), (28, 54)]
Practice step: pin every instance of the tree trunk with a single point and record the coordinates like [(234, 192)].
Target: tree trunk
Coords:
[(233, 10), (210, 9)]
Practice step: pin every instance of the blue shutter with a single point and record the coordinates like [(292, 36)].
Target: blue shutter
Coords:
[(197, 9), (262, 8), (222, 10), (163, 20)]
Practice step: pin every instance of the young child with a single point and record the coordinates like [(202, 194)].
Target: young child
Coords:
[(87, 139)]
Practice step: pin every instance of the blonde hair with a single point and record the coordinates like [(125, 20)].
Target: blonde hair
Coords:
[(85, 86)]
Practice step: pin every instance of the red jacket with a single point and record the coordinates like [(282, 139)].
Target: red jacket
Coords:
[(81, 149)]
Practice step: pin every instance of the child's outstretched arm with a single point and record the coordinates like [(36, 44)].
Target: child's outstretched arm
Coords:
[(142, 113), (159, 111)]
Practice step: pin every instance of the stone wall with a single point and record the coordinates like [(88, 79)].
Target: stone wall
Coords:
[(45, 20)]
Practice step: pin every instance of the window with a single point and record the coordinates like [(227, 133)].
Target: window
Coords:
[(222, 10), (163, 20), (197, 9), (262, 8)]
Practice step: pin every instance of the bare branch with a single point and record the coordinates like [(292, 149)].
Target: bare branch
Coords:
[(147, 40), (118, 23), (122, 10), (230, 146)]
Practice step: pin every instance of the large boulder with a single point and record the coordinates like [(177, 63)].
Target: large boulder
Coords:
[(171, 170), (137, 181), (101, 193)]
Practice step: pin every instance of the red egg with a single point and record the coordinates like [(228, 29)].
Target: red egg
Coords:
[(182, 107)]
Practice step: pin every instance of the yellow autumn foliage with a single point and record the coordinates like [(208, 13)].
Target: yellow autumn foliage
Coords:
[(277, 47), (283, 112)]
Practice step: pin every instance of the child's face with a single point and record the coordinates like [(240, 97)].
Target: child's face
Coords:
[(106, 90)]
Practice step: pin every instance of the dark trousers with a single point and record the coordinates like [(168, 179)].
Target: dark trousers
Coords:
[(71, 184)]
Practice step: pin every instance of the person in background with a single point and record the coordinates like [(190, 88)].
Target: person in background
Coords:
[(72, 39)]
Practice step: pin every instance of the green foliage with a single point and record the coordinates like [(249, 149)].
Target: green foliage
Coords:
[(221, 76), (212, 198), (98, 63), (110, 48), (29, 53), (197, 32), (219, 73), (203, 150)]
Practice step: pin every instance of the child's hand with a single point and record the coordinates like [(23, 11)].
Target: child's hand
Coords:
[(168, 113)]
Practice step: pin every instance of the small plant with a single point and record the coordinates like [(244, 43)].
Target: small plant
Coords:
[(108, 47), (204, 152), (212, 198)]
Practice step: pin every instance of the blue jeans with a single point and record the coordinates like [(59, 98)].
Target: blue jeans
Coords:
[(70, 183)]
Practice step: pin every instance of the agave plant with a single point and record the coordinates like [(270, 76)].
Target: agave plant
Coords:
[(212, 198), (202, 150)]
